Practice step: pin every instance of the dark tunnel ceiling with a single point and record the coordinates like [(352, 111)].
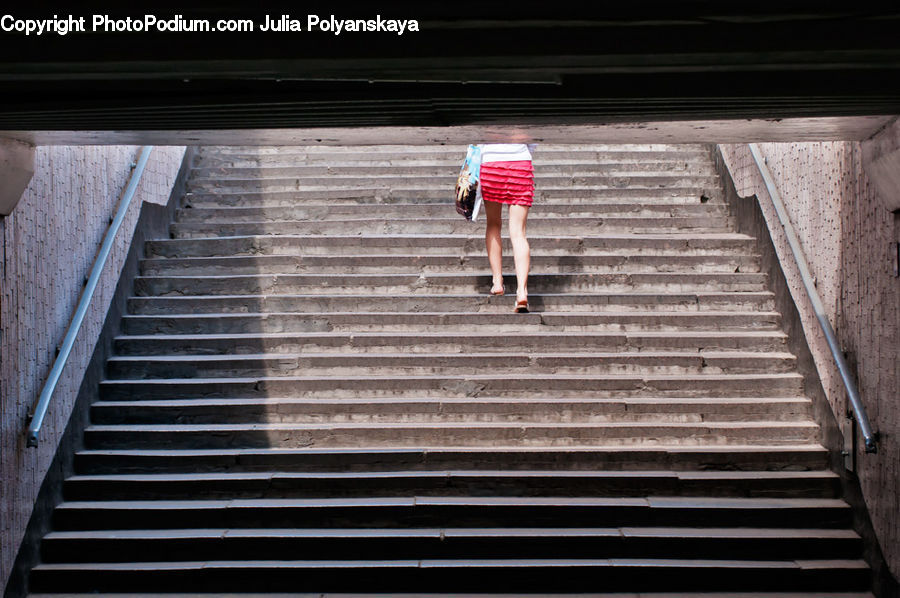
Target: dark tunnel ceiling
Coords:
[(684, 61)]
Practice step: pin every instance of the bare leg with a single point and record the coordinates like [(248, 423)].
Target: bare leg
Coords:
[(493, 213), (518, 216)]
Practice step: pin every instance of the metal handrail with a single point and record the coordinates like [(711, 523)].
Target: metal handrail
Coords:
[(859, 411), (59, 363)]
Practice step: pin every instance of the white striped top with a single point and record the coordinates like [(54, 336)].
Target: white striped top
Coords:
[(503, 152)]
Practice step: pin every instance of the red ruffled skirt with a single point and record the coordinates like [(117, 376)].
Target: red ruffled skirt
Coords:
[(507, 182)]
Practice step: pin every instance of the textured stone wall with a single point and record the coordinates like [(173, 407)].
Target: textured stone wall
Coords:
[(49, 243), (846, 233), (869, 329)]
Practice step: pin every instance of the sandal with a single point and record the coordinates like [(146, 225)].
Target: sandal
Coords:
[(500, 292), (521, 306)]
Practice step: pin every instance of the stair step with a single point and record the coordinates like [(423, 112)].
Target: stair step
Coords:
[(563, 159), (811, 484), (526, 433), (431, 176), (326, 211), (519, 384), (442, 409), (414, 263), (690, 323), (550, 201), (816, 594), (361, 164), (453, 151), (454, 511), (435, 177), (465, 244), (433, 165), (428, 342), (447, 179), (629, 542), (436, 283), (441, 166), (450, 363), (798, 457), (458, 575), (387, 193), (449, 303), (443, 226), (593, 151), (553, 161)]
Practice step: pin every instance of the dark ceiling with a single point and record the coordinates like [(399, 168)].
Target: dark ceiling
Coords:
[(470, 63)]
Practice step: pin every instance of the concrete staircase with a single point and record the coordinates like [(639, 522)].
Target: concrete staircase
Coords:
[(315, 393)]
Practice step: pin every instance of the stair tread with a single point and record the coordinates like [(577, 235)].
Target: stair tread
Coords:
[(568, 314), (587, 449), (448, 425), (389, 184), (474, 473), (469, 296), (451, 275), (517, 501), (460, 563), (555, 400), (516, 376), (682, 236), (449, 216), (443, 205), (524, 532), (446, 169), (587, 354), (463, 595), (711, 334), (547, 318), (612, 457), (439, 259)]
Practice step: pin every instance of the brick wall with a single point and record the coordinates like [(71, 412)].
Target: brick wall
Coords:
[(846, 233), (49, 243)]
